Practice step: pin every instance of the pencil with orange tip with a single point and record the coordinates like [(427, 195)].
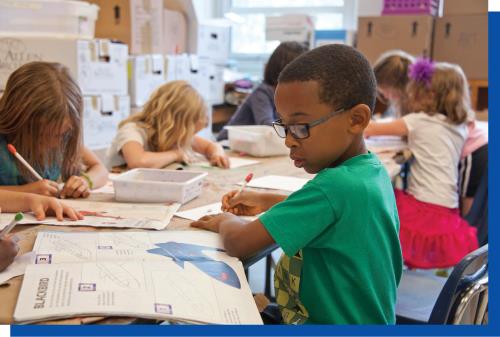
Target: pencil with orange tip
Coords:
[(14, 152), (247, 180)]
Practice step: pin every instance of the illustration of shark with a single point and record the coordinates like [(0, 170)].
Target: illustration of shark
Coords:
[(185, 252)]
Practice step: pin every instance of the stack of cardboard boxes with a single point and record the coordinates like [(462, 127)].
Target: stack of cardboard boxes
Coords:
[(460, 36), (167, 43), (98, 65)]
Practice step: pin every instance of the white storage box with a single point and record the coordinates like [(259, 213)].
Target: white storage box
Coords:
[(75, 19), (157, 185), (98, 66), (101, 116), (256, 140), (214, 40), (146, 73)]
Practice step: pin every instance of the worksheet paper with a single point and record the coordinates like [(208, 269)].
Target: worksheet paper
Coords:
[(167, 275), (17, 267), (234, 162), (378, 144), (211, 209), (108, 214), (284, 183)]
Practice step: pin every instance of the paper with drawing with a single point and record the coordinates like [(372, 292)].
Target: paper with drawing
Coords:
[(211, 209), (108, 214), (178, 275)]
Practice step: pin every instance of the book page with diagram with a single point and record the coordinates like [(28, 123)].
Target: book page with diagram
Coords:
[(170, 275), (108, 214)]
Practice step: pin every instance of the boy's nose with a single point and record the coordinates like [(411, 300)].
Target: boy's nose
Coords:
[(290, 141)]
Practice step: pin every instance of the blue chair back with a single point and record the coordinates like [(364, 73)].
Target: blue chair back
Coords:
[(468, 271)]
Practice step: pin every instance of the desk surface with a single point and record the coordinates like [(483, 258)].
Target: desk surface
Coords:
[(216, 184)]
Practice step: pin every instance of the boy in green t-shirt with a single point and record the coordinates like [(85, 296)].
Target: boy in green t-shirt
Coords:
[(342, 261)]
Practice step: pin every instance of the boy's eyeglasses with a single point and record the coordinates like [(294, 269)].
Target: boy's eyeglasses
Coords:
[(301, 131)]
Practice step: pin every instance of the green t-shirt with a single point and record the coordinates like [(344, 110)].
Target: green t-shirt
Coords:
[(340, 236)]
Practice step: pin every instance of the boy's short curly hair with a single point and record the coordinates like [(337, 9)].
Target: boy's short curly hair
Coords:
[(345, 76)]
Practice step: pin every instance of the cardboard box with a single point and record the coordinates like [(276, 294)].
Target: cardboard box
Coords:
[(101, 116), (61, 18), (411, 33), (215, 84), (294, 27), (175, 32), (146, 73), (465, 7), (182, 67), (187, 9), (463, 39), (214, 41), (170, 67), (98, 66), (198, 75), (138, 23)]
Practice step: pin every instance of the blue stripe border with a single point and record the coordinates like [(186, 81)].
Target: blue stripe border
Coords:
[(407, 330)]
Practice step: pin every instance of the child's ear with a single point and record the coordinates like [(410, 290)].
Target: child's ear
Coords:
[(359, 118)]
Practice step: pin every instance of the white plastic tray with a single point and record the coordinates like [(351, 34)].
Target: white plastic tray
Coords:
[(157, 185), (256, 140)]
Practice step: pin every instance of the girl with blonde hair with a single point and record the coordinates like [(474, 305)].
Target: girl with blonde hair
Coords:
[(391, 72), (41, 115), (432, 233), (165, 131)]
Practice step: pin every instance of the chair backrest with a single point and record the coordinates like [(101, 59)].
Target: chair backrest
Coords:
[(478, 214), (472, 270)]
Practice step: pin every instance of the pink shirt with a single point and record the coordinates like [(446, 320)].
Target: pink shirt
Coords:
[(478, 136)]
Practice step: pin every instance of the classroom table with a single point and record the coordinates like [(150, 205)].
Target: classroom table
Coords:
[(216, 184)]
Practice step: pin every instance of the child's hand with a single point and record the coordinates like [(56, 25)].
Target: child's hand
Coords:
[(75, 187), (182, 156), (212, 222), (43, 187), (8, 251), (219, 160), (41, 205), (244, 203), (218, 157)]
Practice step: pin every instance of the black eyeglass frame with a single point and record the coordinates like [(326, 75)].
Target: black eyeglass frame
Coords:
[(308, 126)]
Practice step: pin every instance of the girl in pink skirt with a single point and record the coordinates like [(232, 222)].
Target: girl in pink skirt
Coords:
[(432, 232)]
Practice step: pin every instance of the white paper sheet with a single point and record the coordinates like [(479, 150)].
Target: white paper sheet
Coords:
[(211, 209), (379, 144), (17, 267), (183, 275), (108, 214), (234, 162), (272, 182)]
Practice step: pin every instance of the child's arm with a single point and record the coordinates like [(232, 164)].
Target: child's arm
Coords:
[(95, 177), (8, 251), (240, 238), (249, 203), (43, 187), (213, 151), (395, 128), (135, 156), (40, 205)]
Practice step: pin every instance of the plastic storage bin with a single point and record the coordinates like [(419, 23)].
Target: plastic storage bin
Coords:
[(256, 140), (411, 7), (156, 185), (55, 18)]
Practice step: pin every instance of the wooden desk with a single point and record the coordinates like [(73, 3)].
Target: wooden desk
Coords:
[(217, 183)]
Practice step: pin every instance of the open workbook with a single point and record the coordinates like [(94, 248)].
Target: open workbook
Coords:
[(169, 275)]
